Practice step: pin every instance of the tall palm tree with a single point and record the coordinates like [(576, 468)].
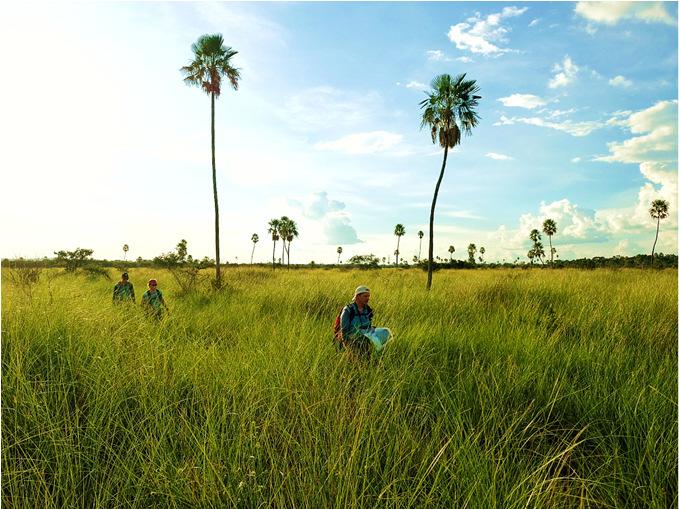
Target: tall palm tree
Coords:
[(339, 253), (549, 228), (471, 251), (291, 234), (126, 248), (274, 225), (451, 250), (482, 251), (212, 61), (399, 231), (658, 211), (420, 234), (254, 239), (448, 112)]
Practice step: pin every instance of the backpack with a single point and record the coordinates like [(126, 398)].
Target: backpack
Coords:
[(337, 327)]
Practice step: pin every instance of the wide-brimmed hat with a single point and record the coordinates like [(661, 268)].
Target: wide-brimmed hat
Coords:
[(361, 289)]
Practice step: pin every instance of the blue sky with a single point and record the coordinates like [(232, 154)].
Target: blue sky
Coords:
[(103, 144)]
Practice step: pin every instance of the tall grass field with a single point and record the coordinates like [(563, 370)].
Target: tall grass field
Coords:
[(501, 389)]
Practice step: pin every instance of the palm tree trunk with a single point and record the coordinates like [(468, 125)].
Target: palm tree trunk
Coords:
[(419, 253), (253, 252), (551, 252), (430, 267), (283, 253), (338, 257), (288, 250), (214, 190), (273, 256), (398, 244), (655, 241)]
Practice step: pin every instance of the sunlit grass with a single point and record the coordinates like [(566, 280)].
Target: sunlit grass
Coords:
[(502, 388)]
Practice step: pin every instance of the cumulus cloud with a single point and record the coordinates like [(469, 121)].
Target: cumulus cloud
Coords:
[(499, 157), (482, 35), (620, 81), (657, 140), (611, 13), (324, 107), (362, 143), (338, 230), (566, 73), (534, 22), (528, 101), (318, 205), (573, 128)]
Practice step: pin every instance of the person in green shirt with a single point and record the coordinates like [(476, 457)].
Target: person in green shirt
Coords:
[(152, 301), (123, 291)]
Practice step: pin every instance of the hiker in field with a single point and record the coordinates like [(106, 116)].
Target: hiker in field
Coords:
[(355, 329), (152, 301), (123, 291)]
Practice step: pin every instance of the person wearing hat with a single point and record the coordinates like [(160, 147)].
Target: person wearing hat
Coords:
[(123, 291), (152, 301), (356, 322)]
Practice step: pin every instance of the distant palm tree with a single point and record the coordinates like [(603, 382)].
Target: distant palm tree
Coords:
[(420, 234), (448, 112), (658, 211), (291, 231), (339, 253), (274, 226), (254, 239), (538, 249), (471, 251), (283, 226), (451, 250), (399, 231), (212, 61), (549, 228), (126, 248), (482, 251)]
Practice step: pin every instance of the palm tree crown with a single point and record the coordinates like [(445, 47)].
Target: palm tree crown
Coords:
[(449, 109), (211, 62), (658, 209)]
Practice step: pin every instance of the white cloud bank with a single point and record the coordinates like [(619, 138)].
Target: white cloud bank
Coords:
[(573, 128), (610, 13), (620, 81), (482, 35), (499, 157)]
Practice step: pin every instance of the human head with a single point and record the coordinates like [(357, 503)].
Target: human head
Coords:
[(362, 295), (124, 276), (152, 284)]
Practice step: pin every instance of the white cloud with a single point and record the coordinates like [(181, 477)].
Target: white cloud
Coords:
[(480, 35), (612, 12), (338, 230), (435, 55), (416, 85), (460, 214), (565, 73), (499, 157), (576, 160), (573, 128), (318, 205), (362, 143), (620, 81), (657, 127), (465, 60), (528, 101), (328, 107)]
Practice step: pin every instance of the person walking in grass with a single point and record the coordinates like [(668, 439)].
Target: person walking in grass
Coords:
[(152, 301), (123, 291), (357, 332)]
